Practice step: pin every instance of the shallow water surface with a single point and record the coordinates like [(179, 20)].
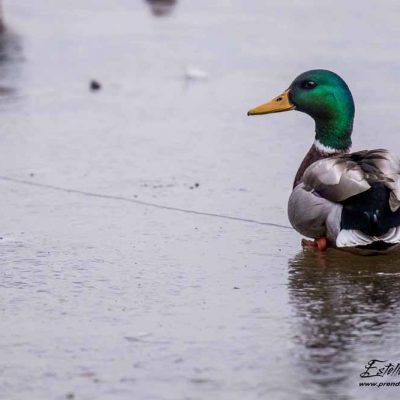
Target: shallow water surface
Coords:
[(109, 287)]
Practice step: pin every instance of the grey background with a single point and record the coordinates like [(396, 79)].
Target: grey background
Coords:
[(106, 299)]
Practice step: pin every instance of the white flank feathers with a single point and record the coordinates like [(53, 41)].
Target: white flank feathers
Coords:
[(353, 237)]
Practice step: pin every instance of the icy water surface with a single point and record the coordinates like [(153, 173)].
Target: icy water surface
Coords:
[(102, 298)]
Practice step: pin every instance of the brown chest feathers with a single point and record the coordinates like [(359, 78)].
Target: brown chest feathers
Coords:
[(314, 154)]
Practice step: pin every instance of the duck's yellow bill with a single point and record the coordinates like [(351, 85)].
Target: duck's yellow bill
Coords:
[(278, 104)]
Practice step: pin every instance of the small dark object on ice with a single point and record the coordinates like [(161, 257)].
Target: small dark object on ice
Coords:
[(161, 8), (95, 85)]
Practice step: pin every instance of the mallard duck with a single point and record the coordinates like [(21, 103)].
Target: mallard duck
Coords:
[(350, 201)]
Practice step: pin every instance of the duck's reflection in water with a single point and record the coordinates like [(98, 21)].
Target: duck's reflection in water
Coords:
[(161, 8), (10, 60), (344, 305), (1, 17)]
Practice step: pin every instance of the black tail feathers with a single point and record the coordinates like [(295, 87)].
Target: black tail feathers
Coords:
[(369, 212)]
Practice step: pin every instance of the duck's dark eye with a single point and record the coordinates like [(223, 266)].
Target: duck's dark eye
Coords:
[(308, 85)]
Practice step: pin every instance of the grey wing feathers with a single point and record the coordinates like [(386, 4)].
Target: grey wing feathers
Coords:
[(339, 177), (313, 215)]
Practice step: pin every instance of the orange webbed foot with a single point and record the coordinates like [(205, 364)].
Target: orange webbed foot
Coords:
[(321, 243)]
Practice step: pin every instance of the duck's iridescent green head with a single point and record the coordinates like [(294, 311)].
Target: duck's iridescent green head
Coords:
[(324, 96)]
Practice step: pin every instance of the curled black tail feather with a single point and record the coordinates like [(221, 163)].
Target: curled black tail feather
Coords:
[(369, 212)]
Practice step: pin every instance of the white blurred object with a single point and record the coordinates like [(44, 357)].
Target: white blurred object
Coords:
[(195, 74)]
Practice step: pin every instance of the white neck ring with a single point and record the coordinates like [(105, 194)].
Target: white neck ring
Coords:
[(325, 149)]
